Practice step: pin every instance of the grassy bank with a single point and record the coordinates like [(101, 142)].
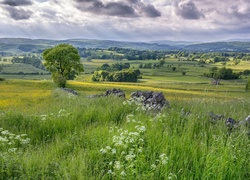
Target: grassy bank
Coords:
[(49, 134)]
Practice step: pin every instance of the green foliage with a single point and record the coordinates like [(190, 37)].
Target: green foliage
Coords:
[(173, 68), (246, 72), (162, 62), (63, 61), (114, 67), (116, 76), (223, 73), (33, 60)]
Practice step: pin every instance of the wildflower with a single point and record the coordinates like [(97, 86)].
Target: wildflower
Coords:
[(113, 151), (108, 147), (25, 141), (153, 166), (123, 173), (5, 132), (163, 158), (12, 150), (140, 128), (140, 149), (117, 165), (171, 176), (103, 151), (110, 171), (129, 157), (3, 139)]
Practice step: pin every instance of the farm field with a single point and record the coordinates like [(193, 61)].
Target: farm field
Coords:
[(47, 133)]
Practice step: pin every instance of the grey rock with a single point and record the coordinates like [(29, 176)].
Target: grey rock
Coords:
[(114, 91), (216, 117), (69, 91), (230, 123), (151, 99)]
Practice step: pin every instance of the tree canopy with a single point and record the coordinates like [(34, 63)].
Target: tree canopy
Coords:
[(63, 61)]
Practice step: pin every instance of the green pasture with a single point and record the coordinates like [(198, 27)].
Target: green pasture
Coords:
[(20, 67)]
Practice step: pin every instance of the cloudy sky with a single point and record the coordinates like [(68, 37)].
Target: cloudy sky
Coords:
[(129, 20)]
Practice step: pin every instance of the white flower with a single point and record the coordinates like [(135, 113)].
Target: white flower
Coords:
[(108, 147), (110, 171), (153, 166), (113, 151), (3, 139), (140, 149), (129, 157), (103, 151), (132, 140), (123, 173), (163, 158), (117, 165), (171, 176), (12, 150), (5, 132), (25, 141), (141, 128)]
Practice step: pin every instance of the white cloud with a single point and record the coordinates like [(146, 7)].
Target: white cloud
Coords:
[(153, 19)]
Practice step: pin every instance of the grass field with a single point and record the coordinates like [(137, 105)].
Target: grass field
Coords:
[(46, 133)]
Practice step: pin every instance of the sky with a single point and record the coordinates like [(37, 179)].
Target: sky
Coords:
[(126, 20)]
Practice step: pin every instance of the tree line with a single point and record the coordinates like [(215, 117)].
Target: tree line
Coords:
[(118, 72), (33, 60), (118, 53)]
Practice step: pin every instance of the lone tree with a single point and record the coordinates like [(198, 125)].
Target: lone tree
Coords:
[(63, 61)]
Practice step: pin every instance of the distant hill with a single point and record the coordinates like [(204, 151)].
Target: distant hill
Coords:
[(234, 46), (13, 46)]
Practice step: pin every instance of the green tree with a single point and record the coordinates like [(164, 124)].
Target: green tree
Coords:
[(162, 62), (173, 68), (63, 61)]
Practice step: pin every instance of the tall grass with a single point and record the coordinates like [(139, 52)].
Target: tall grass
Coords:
[(74, 137)]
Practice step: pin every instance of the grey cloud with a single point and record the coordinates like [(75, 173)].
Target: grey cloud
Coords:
[(18, 14), (147, 9), (128, 8), (110, 9), (187, 9), (150, 11), (17, 2)]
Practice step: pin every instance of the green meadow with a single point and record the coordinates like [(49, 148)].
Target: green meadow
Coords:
[(46, 133)]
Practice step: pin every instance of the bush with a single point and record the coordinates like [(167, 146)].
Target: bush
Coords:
[(246, 72), (223, 73), (117, 76)]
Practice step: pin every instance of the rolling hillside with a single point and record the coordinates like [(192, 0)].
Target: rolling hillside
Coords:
[(12, 46)]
